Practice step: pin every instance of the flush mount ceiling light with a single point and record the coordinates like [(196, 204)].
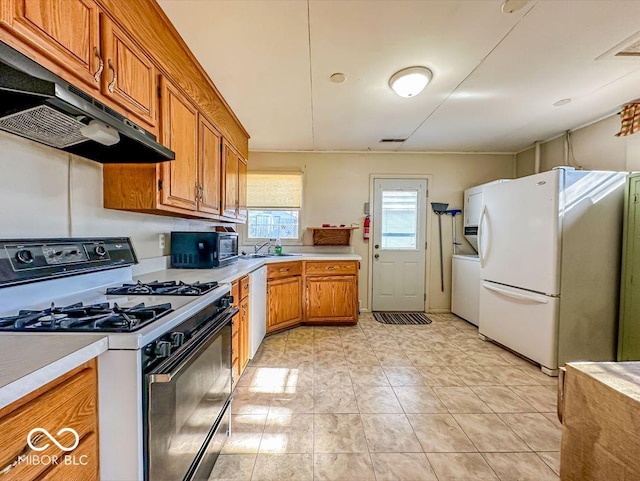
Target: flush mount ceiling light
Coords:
[(409, 82), (561, 102), (338, 77), (510, 6)]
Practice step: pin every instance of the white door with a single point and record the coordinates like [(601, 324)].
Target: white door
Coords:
[(519, 233), (399, 225)]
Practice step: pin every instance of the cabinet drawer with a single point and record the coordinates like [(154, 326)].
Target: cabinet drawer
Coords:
[(71, 404), (284, 269), (86, 467), (244, 287), (323, 268)]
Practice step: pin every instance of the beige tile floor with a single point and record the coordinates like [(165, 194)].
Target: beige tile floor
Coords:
[(381, 402)]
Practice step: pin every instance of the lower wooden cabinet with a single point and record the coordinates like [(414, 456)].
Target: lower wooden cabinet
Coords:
[(311, 292), (240, 332), (67, 402), (284, 302), (331, 299)]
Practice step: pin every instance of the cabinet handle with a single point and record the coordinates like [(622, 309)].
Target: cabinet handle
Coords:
[(284, 270), (23, 452), (98, 73), (112, 84), (331, 268)]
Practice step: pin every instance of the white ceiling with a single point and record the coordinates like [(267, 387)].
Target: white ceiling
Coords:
[(495, 78)]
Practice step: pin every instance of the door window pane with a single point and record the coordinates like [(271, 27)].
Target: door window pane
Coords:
[(399, 223)]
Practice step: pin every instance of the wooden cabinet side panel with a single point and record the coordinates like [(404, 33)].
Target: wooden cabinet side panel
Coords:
[(332, 298), (210, 166), (284, 301), (130, 186), (65, 32), (179, 130)]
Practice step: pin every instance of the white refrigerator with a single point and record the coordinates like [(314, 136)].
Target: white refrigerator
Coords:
[(549, 247)]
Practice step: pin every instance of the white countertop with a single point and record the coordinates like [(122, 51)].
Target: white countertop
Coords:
[(238, 269), (31, 361)]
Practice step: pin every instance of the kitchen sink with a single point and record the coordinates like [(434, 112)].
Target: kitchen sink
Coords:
[(257, 256)]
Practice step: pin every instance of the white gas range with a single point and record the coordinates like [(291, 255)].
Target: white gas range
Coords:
[(164, 383)]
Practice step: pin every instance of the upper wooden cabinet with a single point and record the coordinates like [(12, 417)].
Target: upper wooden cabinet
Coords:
[(65, 32), (230, 161), (190, 184), (234, 184), (180, 133), (210, 167), (129, 78)]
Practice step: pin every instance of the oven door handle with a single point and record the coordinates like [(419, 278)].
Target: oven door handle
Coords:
[(194, 345)]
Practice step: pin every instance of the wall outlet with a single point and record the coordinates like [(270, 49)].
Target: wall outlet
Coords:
[(161, 241)]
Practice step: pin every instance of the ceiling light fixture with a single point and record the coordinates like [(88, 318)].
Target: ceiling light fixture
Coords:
[(561, 102), (338, 77), (510, 6), (409, 82)]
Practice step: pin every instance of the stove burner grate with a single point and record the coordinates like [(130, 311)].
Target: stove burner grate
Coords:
[(78, 317), (166, 288)]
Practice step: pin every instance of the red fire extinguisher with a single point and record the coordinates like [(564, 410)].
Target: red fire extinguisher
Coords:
[(367, 224)]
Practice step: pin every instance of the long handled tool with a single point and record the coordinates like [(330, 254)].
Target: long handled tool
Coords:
[(440, 209), (453, 213)]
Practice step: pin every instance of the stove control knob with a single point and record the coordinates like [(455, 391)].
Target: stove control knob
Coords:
[(162, 349), (24, 256), (100, 250), (177, 338)]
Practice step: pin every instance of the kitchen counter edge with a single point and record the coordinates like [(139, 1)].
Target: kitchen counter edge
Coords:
[(31, 361)]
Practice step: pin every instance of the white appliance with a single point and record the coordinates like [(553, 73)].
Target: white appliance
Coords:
[(465, 287), (471, 212), (257, 308), (549, 247)]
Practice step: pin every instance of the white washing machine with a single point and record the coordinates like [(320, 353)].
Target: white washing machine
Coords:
[(465, 287)]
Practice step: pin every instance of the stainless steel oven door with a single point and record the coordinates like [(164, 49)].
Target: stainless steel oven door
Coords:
[(186, 395)]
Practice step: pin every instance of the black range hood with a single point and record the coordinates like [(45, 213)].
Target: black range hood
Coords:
[(38, 105)]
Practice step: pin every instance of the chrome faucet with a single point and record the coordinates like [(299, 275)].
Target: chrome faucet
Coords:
[(257, 247)]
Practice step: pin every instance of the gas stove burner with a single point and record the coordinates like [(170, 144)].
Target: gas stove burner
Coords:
[(78, 317), (167, 288)]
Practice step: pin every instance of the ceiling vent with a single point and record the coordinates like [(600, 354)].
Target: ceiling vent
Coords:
[(391, 141), (628, 48)]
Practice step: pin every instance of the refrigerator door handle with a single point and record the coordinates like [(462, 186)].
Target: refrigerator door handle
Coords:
[(516, 295), (480, 246)]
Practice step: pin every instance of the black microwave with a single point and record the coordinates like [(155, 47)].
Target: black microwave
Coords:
[(203, 250)]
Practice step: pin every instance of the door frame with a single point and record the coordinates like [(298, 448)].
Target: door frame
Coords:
[(427, 235)]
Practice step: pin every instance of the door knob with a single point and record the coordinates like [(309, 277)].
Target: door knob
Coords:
[(376, 256), (377, 246)]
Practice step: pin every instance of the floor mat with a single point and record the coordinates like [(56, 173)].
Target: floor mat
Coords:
[(401, 317)]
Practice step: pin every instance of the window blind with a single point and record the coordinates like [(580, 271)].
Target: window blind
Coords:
[(274, 190)]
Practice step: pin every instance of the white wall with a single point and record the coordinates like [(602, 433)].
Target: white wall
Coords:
[(48, 193), (595, 147), (337, 185)]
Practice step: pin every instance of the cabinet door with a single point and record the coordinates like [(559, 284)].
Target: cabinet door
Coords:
[(230, 181), (242, 190), (180, 134), (130, 78), (210, 168), (244, 333), (332, 298), (65, 32), (86, 451), (284, 303)]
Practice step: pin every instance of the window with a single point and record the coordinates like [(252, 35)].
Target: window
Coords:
[(399, 219), (274, 201)]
